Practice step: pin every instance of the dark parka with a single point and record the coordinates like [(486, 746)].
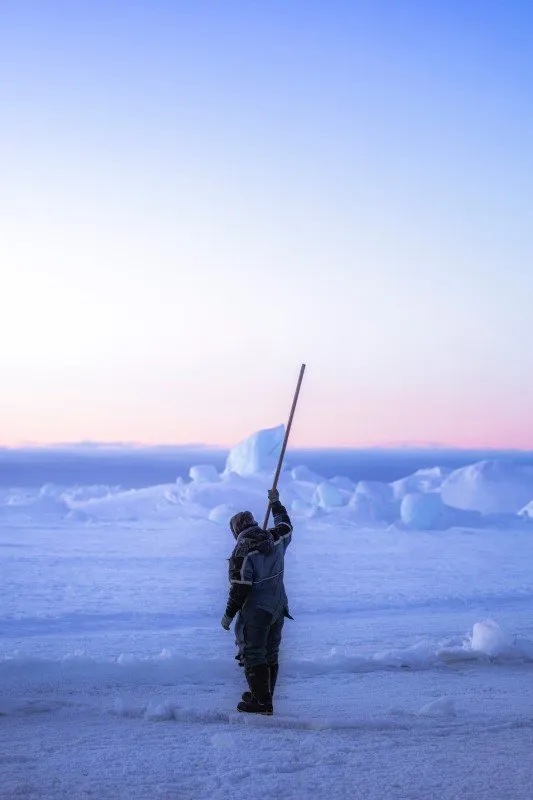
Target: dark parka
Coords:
[(257, 563)]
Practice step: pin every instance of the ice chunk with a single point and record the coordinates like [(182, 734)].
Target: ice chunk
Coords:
[(343, 483), (258, 453), (378, 499), (364, 509), (423, 480), (328, 496), (204, 473), (527, 511), (305, 474), (375, 489), (491, 487), (424, 511), (231, 490), (372, 502), (489, 638)]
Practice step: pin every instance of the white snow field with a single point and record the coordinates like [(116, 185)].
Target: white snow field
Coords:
[(407, 672)]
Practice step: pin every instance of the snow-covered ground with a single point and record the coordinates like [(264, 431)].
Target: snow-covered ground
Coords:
[(407, 672)]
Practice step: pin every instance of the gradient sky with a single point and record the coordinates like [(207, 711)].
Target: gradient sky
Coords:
[(197, 196)]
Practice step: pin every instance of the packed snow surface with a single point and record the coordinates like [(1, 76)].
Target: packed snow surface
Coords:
[(406, 673)]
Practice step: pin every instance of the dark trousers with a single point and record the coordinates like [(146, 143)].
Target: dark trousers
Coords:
[(258, 635)]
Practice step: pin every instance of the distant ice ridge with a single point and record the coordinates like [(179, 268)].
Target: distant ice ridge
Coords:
[(488, 494), (490, 487)]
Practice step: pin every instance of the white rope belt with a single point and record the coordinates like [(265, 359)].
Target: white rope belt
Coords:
[(270, 578)]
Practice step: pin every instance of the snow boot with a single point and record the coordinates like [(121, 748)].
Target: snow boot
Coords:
[(260, 700), (247, 696), (274, 668)]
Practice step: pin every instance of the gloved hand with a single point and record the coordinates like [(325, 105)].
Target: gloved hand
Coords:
[(225, 622), (273, 495)]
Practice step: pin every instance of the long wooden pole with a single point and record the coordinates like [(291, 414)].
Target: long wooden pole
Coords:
[(286, 439)]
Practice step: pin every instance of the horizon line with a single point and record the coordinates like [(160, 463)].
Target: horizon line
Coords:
[(95, 446)]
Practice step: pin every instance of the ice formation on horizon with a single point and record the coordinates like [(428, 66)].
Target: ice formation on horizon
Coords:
[(488, 494), (257, 453), (499, 486)]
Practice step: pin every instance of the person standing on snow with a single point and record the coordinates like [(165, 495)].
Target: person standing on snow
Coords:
[(257, 592)]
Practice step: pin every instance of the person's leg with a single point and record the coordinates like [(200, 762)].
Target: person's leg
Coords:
[(256, 630), (273, 644)]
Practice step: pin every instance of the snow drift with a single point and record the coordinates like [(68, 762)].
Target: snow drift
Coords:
[(486, 643)]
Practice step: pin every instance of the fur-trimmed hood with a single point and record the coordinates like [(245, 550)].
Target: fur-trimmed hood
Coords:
[(249, 535)]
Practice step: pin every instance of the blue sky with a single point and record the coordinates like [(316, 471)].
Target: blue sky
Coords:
[(197, 196)]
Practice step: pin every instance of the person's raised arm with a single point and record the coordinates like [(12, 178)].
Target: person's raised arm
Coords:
[(282, 529)]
